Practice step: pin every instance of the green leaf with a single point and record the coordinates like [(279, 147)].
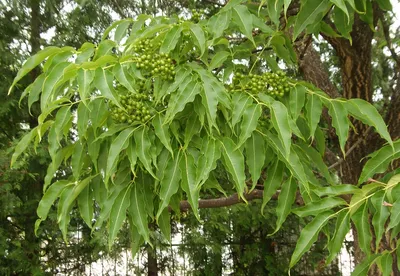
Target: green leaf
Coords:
[(164, 222), (85, 205), (218, 23), (317, 161), (249, 123), (108, 204), (297, 98), (292, 162), (51, 194), (85, 52), (362, 268), (57, 158), (171, 39), (188, 184), (185, 94), (240, 103), (68, 197), (234, 162), (63, 218), (380, 216), (367, 113), (162, 132), (342, 227), (123, 77), (385, 5), (32, 62), (320, 140), (85, 78), (286, 4), (361, 221), (103, 80), (169, 184), (385, 263), (317, 207), (393, 189), (147, 32), (23, 144), (231, 4), (311, 11), (209, 98), (212, 152), (361, 196), (272, 182), (336, 190), (112, 27), (138, 212), (82, 120), (340, 122), (49, 83), (119, 144), (143, 146), (121, 30), (118, 214), (218, 59), (280, 121), (283, 48), (343, 22), (198, 37), (132, 156), (394, 215), (136, 239), (261, 24), (309, 235), (274, 8), (286, 199), (64, 55), (313, 112), (379, 161), (255, 156), (341, 4), (36, 89), (105, 48), (61, 123), (66, 205), (193, 127), (243, 19), (77, 159)]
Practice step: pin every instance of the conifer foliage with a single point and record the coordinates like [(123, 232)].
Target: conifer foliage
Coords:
[(144, 118)]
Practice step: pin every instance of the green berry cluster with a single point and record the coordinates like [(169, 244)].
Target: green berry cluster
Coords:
[(137, 109), (275, 84), (151, 63), (197, 14)]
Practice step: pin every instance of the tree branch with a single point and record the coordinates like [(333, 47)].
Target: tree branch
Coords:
[(313, 69), (225, 201), (353, 147)]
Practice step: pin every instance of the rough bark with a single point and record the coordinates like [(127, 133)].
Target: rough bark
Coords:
[(356, 72), (152, 265), (32, 196)]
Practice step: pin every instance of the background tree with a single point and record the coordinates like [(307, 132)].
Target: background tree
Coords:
[(194, 80)]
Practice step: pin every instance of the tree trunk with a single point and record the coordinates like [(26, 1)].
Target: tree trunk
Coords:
[(32, 194), (355, 62), (152, 265)]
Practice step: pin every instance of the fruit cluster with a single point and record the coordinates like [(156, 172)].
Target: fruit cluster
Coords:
[(197, 14), (151, 63), (275, 84), (137, 109)]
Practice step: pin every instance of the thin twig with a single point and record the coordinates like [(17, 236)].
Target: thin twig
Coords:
[(350, 150)]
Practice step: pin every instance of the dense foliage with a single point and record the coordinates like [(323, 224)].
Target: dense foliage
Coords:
[(143, 120)]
